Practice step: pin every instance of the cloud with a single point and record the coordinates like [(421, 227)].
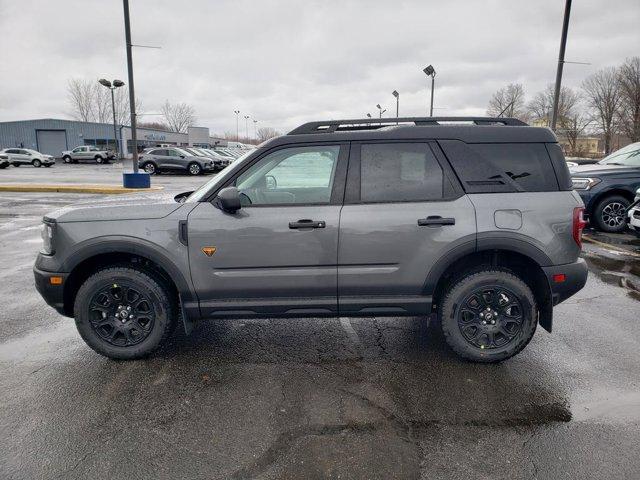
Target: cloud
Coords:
[(286, 62)]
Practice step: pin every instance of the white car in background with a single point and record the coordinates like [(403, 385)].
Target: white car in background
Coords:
[(4, 160), (26, 156), (634, 214)]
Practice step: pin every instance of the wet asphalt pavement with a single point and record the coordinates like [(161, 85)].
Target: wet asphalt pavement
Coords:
[(328, 398)]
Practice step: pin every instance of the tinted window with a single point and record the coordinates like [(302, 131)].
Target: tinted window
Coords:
[(399, 172), (301, 175), (528, 164)]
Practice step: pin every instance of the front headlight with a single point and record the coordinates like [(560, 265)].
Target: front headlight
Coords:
[(584, 183), (47, 238)]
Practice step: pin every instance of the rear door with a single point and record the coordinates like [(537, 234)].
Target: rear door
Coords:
[(404, 210), (277, 255)]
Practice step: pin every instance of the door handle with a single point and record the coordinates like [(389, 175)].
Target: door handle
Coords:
[(436, 221), (306, 223)]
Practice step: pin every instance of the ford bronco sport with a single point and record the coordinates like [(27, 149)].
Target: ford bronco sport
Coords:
[(471, 219)]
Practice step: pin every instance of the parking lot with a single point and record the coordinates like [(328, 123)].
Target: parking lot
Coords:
[(326, 398)]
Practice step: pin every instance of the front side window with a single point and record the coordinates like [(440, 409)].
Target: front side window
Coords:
[(300, 175), (399, 172), (78, 150)]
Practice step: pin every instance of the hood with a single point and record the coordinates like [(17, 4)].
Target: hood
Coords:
[(126, 207), (599, 169)]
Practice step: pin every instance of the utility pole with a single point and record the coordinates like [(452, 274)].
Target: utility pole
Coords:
[(397, 95), (132, 97), (431, 72), (563, 44), (237, 112)]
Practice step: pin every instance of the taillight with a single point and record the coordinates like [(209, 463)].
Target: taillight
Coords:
[(578, 224)]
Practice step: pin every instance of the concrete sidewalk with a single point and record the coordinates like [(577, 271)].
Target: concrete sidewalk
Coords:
[(73, 188)]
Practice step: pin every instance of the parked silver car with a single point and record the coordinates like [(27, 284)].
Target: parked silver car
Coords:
[(87, 152), (26, 156)]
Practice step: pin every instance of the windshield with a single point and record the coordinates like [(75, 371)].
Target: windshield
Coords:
[(202, 192), (629, 155)]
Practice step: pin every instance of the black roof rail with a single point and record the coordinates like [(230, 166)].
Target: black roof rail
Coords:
[(331, 126)]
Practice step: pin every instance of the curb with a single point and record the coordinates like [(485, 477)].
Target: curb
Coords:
[(608, 246), (68, 188)]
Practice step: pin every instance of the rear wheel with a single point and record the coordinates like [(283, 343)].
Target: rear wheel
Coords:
[(36, 163), (610, 214), (149, 168), (195, 169), (123, 313), (99, 159), (489, 315)]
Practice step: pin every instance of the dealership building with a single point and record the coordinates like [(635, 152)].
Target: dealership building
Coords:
[(51, 136)]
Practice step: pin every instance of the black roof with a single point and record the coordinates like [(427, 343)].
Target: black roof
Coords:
[(466, 129)]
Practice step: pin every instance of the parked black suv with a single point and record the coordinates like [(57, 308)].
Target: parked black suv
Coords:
[(608, 187), (477, 223)]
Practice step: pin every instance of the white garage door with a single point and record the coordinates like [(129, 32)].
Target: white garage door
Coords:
[(51, 142)]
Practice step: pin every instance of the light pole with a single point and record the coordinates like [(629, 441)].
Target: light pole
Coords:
[(431, 72), (397, 95), (112, 86), (237, 112), (369, 115), (563, 44), (381, 110), (132, 97), (255, 131), (246, 126)]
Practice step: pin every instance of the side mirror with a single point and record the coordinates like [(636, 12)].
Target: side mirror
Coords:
[(228, 199), (181, 197), (181, 156)]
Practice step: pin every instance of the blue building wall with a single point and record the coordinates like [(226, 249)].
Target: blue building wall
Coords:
[(23, 133)]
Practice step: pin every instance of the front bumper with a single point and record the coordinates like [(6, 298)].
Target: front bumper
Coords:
[(566, 280), (52, 294), (634, 220), (209, 168)]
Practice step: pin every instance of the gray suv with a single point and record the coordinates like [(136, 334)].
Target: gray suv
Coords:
[(471, 219), (165, 159)]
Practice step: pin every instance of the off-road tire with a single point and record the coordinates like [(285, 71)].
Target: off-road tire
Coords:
[(603, 214), (464, 286), (165, 311)]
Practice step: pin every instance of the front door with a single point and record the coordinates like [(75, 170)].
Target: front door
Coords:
[(403, 212), (277, 255)]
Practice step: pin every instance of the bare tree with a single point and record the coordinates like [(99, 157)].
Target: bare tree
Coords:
[(541, 106), (265, 133), (154, 126), (508, 102), (602, 92), (91, 102), (629, 81), (572, 127), (81, 99), (179, 116)]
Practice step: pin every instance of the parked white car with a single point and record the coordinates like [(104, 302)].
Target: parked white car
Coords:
[(26, 156), (634, 214), (4, 160)]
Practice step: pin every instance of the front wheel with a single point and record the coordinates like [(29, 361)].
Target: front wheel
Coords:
[(489, 315), (610, 215), (36, 163), (123, 313), (195, 169), (99, 160), (66, 159)]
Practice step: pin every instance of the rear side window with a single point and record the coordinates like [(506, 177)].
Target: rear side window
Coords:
[(399, 172), (502, 167)]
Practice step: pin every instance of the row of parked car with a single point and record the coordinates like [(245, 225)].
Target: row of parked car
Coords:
[(153, 160)]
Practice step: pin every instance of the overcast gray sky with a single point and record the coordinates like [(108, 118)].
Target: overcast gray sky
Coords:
[(286, 62)]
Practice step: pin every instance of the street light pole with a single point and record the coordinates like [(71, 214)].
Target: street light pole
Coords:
[(246, 126), (397, 95), (431, 72), (563, 44), (132, 97), (255, 131), (112, 86), (237, 112), (381, 110)]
